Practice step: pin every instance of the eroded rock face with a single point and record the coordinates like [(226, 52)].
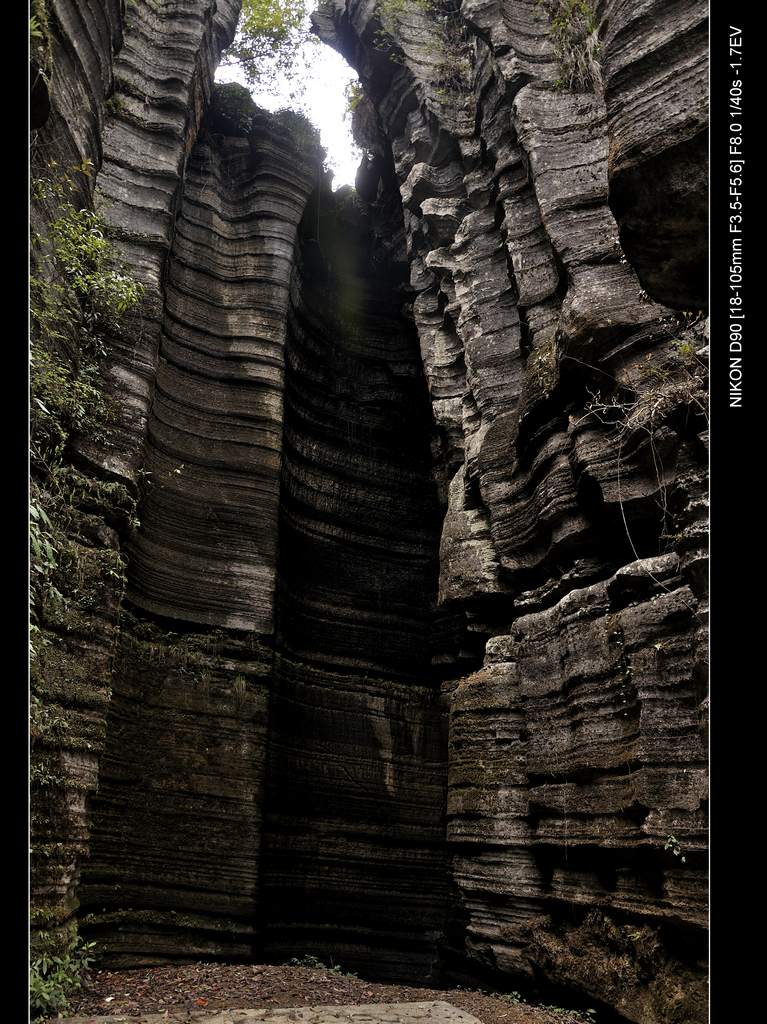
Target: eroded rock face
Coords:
[(353, 856), (71, 674), (163, 79), (655, 72), (174, 869), (207, 550), (279, 773), (569, 404), (409, 668), (124, 103), (574, 753)]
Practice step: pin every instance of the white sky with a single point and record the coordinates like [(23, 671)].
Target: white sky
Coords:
[(321, 97)]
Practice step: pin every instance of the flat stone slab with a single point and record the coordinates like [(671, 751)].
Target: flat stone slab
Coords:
[(371, 1013)]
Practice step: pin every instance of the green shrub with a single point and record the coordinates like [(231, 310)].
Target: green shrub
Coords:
[(314, 963), (114, 105), (674, 846), (79, 290), (308, 960), (45, 720), (301, 129), (234, 104), (54, 978), (44, 555), (353, 94), (83, 253), (40, 48)]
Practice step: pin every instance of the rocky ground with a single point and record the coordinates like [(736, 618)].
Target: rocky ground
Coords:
[(181, 990)]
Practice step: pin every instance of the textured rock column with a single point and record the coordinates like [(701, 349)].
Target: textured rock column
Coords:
[(570, 405), (175, 862), (207, 548), (353, 864), (163, 77)]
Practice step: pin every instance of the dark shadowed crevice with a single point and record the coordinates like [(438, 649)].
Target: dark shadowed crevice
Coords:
[(353, 858)]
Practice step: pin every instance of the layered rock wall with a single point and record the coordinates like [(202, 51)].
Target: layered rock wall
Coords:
[(126, 93), (354, 861), (163, 77), (401, 657), (570, 410), (177, 822), (76, 631), (655, 73), (207, 549)]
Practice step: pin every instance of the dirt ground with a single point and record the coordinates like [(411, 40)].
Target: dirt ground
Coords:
[(199, 986)]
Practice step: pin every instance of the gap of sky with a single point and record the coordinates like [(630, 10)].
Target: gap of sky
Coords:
[(318, 91)]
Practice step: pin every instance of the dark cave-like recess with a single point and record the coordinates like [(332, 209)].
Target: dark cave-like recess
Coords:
[(353, 862)]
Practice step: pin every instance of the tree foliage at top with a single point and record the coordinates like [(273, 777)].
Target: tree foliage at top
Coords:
[(270, 37)]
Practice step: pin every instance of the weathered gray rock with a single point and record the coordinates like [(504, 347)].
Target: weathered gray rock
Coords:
[(207, 550), (655, 72), (84, 39), (353, 847), (288, 415), (409, 668), (575, 753), (570, 407), (163, 77), (174, 865)]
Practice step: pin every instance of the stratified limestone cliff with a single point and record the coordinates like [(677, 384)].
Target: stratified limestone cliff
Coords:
[(126, 95), (162, 82), (655, 73), (554, 230), (177, 821), (354, 837), (70, 671), (387, 639), (207, 550)]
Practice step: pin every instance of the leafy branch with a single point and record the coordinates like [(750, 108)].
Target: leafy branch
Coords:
[(270, 37)]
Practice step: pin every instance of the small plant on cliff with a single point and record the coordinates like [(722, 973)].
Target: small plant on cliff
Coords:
[(79, 290), (353, 94), (45, 720), (53, 979), (233, 103), (445, 45), (40, 51), (81, 251), (114, 105), (299, 126), (43, 543), (673, 846), (574, 32)]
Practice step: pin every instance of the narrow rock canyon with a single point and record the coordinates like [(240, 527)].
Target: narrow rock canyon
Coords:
[(379, 630)]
